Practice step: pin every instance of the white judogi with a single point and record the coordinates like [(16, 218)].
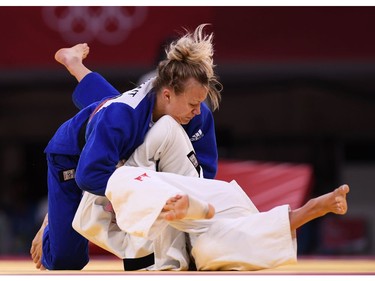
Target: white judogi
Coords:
[(237, 238)]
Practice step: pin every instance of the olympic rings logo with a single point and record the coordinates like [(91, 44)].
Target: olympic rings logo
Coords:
[(108, 25)]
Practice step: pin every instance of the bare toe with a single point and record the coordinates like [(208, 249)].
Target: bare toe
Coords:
[(340, 198), (344, 189), (211, 212)]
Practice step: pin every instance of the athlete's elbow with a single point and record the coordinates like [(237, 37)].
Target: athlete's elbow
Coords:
[(86, 183)]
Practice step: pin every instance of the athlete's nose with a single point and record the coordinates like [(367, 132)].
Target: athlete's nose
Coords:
[(197, 110)]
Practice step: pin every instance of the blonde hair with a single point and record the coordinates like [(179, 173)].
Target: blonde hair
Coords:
[(190, 57)]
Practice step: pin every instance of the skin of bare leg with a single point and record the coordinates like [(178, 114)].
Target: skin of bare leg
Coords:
[(36, 245), (176, 208), (72, 58), (333, 202)]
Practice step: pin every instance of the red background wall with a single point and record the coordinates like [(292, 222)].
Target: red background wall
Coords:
[(242, 34)]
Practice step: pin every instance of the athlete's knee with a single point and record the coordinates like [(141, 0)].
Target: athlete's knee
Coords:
[(70, 256), (76, 262)]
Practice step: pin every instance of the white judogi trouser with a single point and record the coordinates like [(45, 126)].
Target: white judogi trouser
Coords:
[(237, 238)]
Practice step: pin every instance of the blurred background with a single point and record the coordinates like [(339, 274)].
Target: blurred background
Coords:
[(299, 89)]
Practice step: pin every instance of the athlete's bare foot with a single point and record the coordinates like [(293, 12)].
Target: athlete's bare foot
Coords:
[(333, 202), (36, 245), (73, 55), (185, 207), (72, 59)]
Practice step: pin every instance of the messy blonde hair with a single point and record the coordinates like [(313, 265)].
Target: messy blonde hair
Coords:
[(190, 57)]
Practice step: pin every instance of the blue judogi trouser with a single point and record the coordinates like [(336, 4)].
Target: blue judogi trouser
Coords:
[(63, 247)]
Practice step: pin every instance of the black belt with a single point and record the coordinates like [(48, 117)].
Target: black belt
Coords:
[(138, 263)]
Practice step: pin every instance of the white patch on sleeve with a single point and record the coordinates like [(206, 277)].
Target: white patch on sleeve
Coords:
[(132, 97)]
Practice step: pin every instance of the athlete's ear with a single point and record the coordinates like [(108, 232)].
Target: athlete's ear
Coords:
[(166, 94)]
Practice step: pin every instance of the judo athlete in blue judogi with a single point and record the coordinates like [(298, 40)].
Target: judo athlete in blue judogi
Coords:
[(85, 150)]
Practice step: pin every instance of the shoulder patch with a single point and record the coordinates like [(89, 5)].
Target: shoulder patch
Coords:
[(132, 97)]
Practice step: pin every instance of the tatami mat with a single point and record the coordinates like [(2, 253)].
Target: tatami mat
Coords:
[(105, 265)]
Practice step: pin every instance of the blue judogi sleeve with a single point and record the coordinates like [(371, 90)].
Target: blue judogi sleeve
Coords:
[(110, 131), (91, 89)]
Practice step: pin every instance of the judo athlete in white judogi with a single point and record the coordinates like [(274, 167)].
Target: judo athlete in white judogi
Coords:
[(238, 237), (166, 148)]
